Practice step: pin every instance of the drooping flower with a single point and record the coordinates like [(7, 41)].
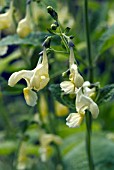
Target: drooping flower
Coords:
[(6, 18), (75, 79), (83, 102), (25, 26), (36, 79)]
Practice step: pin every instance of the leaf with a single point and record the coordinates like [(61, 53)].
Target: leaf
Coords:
[(33, 39), (7, 147), (61, 97), (105, 94), (102, 149), (106, 41), (4, 62)]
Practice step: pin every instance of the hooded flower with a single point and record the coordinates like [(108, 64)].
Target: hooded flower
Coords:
[(83, 102), (36, 79), (6, 18), (75, 79), (25, 25)]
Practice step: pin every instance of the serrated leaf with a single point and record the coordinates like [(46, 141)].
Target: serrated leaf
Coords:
[(106, 41), (61, 97), (33, 39), (105, 94)]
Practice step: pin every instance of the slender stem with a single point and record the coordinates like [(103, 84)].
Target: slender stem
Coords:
[(63, 39), (88, 42), (88, 140), (90, 62)]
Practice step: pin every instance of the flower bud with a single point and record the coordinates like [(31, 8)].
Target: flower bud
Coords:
[(52, 12), (53, 26)]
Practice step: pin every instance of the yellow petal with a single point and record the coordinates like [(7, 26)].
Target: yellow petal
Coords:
[(60, 109), (30, 97)]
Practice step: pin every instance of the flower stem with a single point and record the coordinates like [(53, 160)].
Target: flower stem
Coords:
[(88, 140), (90, 69), (88, 41)]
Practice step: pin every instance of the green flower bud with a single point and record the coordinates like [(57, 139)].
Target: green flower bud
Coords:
[(53, 26)]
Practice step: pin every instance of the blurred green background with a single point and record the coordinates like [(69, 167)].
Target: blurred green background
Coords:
[(21, 126)]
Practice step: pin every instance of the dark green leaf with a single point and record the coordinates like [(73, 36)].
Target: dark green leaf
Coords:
[(65, 99), (33, 39), (106, 41), (105, 94), (76, 158)]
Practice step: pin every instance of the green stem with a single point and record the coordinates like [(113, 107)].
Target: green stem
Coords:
[(88, 42), (52, 120), (88, 114), (63, 39), (88, 140)]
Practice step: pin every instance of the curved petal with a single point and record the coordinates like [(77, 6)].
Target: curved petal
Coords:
[(15, 77), (30, 97), (74, 120), (94, 109), (67, 87), (87, 103)]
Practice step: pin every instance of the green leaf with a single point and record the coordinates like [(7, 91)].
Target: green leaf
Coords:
[(7, 90), (7, 147), (106, 41), (65, 99), (4, 62), (105, 94), (33, 39), (102, 147)]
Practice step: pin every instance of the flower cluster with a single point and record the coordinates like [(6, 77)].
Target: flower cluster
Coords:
[(83, 92), (36, 79), (25, 25)]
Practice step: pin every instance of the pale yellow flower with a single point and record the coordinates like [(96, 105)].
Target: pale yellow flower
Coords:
[(6, 18), (75, 79), (36, 79), (45, 147), (83, 103), (25, 26)]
